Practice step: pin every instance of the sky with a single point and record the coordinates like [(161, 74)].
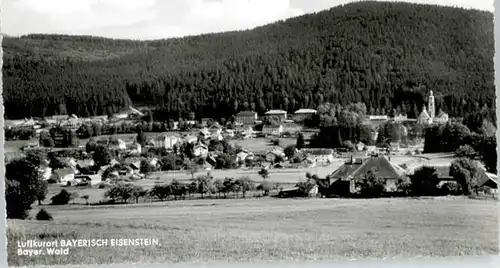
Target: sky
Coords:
[(158, 19)]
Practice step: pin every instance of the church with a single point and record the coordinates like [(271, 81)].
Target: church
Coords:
[(428, 116)]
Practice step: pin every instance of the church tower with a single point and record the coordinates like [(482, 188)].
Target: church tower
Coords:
[(432, 107)]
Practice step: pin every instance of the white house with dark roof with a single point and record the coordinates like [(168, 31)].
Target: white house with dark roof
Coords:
[(65, 176), (277, 113), (303, 114), (246, 117)]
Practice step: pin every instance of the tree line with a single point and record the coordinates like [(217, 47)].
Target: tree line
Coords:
[(387, 55)]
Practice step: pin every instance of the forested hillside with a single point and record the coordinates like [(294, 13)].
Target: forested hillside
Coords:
[(387, 55)]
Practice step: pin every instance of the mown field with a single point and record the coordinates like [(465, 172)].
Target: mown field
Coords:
[(267, 229)]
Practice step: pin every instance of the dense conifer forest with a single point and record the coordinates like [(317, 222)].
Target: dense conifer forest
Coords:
[(386, 55)]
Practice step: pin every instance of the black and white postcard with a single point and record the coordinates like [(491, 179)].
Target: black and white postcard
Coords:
[(236, 131)]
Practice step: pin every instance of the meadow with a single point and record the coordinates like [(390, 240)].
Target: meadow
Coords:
[(267, 229)]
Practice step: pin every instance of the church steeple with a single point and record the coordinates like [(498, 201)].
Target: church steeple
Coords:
[(432, 107)]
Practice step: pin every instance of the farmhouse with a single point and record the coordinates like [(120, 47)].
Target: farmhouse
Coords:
[(303, 114), (243, 155), (272, 130), (343, 180), (246, 117), (64, 176), (277, 114), (324, 156), (200, 150), (274, 155)]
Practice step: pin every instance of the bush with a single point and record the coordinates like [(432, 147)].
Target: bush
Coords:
[(404, 187), (371, 187), (43, 215), (450, 188), (61, 198)]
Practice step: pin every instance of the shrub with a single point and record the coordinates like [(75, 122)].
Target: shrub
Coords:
[(370, 186), (403, 186), (43, 215), (424, 182), (61, 198), (451, 188)]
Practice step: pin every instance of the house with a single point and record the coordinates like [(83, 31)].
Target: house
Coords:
[(272, 130), (135, 149), (229, 133), (343, 180), (248, 132), (303, 114), (487, 179), (204, 134), (65, 176), (400, 117), (113, 162), (441, 118), (443, 174), (211, 160), (83, 164), (274, 155), (175, 125), (246, 117), (243, 155), (136, 166), (92, 179), (360, 146), (216, 133), (164, 141), (378, 117), (200, 150), (191, 139), (277, 114), (46, 173), (323, 156), (126, 171), (117, 144), (153, 162)]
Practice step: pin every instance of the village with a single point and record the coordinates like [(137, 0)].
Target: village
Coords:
[(275, 142)]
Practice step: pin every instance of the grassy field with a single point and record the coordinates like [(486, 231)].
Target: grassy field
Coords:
[(267, 229)]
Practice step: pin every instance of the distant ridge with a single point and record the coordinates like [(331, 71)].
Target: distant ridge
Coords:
[(387, 55)]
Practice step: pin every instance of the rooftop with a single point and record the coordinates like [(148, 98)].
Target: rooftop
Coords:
[(306, 111), (246, 113), (275, 112)]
